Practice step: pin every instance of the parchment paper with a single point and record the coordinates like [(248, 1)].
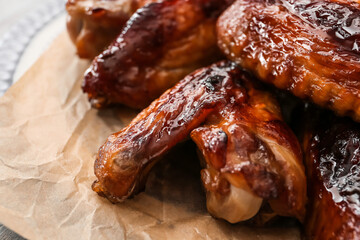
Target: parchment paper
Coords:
[(49, 137)]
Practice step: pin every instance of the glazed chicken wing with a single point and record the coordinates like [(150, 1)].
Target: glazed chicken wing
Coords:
[(160, 44), (332, 148), (94, 24), (311, 48), (250, 155)]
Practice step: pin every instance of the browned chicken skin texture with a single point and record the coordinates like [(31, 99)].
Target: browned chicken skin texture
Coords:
[(332, 151), (247, 122), (311, 48), (238, 144), (94, 24), (160, 44)]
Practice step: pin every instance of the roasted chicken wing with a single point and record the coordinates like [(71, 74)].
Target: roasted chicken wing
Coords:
[(160, 44), (94, 24), (311, 48), (332, 149), (250, 155)]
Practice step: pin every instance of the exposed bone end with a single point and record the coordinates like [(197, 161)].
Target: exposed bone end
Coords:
[(239, 205), (226, 201)]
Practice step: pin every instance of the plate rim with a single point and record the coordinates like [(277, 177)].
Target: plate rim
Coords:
[(15, 41)]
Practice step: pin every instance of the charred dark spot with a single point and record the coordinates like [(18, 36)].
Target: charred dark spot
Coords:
[(212, 81), (222, 136)]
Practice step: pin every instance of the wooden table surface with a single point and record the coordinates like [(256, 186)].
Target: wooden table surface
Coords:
[(10, 13)]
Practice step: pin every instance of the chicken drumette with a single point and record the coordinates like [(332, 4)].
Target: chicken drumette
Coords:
[(160, 44), (249, 155)]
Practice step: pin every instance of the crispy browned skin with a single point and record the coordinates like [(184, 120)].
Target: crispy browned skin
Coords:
[(311, 48), (246, 145), (126, 157), (244, 142), (332, 151), (94, 24), (161, 43)]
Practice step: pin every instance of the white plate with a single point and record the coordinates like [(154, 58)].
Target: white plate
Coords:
[(21, 46)]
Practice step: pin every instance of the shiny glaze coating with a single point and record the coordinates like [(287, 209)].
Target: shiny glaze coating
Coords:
[(247, 145), (310, 48), (246, 124), (94, 24), (160, 44), (126, 157), (332, 148), (340, 20)]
